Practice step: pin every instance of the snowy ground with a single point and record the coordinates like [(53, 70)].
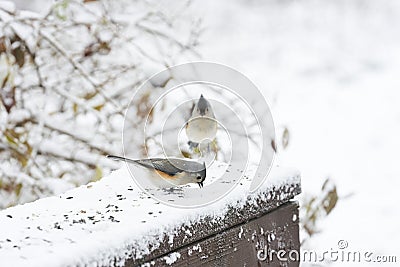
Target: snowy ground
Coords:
[(330, 71)]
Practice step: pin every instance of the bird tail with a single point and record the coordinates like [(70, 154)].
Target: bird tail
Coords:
[(122, 159)]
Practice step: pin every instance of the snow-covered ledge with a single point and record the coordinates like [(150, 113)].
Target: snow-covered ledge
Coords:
[(111, 222)]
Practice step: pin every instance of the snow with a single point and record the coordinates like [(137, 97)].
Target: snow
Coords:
[(330, 70), (197, 248), (8, 6), (241, 232), (18, 115), (66, 119), (171, 258), (100, 222)]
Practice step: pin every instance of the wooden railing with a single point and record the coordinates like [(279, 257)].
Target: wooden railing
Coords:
[(111, 222)]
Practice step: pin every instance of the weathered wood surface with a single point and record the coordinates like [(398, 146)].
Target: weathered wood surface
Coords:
[(275, 231), (256, 206)]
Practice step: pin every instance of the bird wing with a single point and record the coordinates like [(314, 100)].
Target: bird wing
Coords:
[(162, 165)]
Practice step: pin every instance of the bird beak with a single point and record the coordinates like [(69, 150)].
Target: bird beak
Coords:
[(200, 184)]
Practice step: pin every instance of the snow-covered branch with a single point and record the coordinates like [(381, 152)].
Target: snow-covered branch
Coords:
[(66, 79)]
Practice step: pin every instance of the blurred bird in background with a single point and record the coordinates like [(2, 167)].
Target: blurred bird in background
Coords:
[(202, 125)]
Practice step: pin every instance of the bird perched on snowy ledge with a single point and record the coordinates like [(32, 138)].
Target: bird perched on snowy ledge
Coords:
[(170, 172)]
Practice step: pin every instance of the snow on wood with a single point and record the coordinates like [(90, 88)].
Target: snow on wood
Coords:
[(111, 221)]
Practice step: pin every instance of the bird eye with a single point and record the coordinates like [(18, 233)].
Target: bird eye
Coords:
[(198, 177)]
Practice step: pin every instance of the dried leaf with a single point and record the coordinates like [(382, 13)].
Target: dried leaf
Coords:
[(88, 51), (3, 46), (28, 148), (285, 138), (186, 154), (18, 188), (102, 48), (98, 174), (273, 145), (318, 207), (19, 54), (11, 136), (7, 93), (144, 108), (75, 108), (22, 158), (331, 198), (89, 96), (99, 107), (20, 150)]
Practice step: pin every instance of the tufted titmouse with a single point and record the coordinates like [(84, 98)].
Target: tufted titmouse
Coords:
[(202, 125), (170, 172)]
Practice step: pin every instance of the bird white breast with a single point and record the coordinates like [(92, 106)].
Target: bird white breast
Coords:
[(201, 129)]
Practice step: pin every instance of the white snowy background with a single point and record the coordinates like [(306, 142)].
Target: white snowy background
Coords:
[(330, 71)]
